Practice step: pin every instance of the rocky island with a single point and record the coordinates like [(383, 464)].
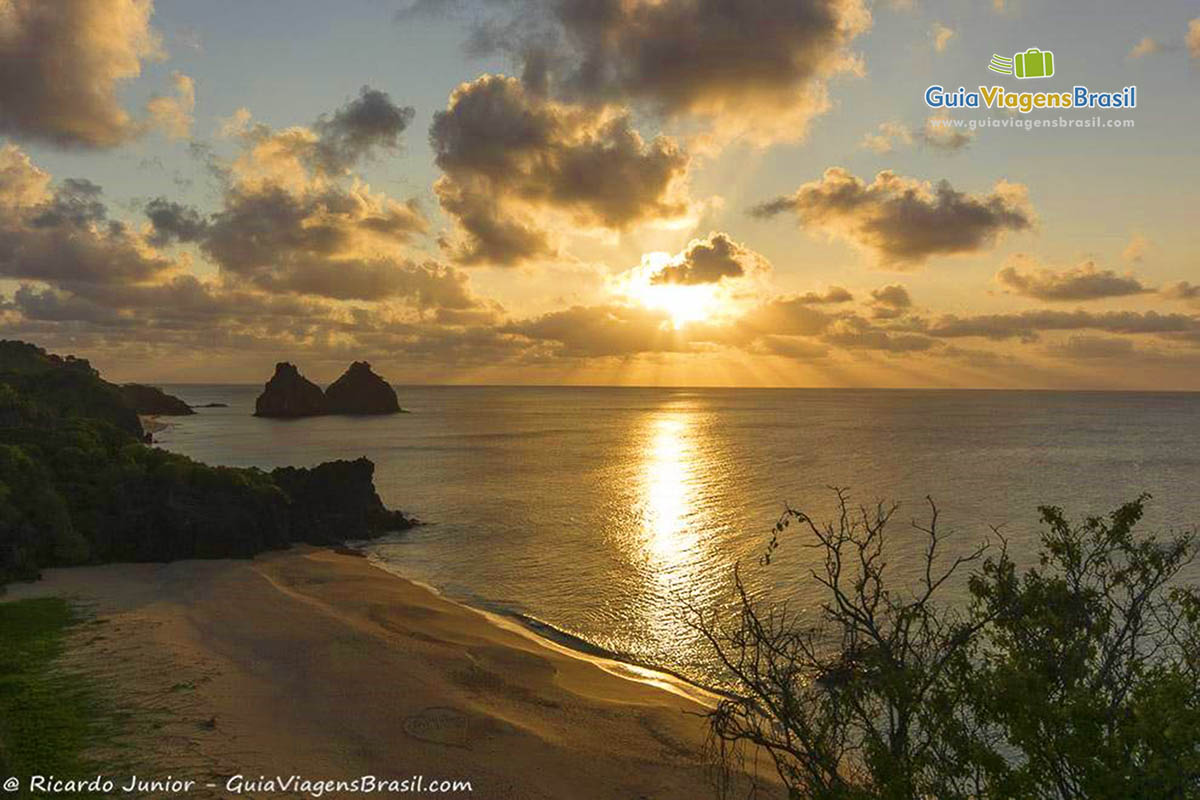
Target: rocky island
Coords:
[(289, 394), (359, 391)]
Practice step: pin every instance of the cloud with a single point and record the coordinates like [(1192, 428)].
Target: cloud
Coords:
[(785, 316), (329, 149), (512, 159), (1083, 282), (1147, 46), (855, 333), (294, 219), (604, 330), (62, 64), (939, 134), (1183, 290), (832, 296), (332, 241), (1136, 249), (890, 302), (1093, 347), (887, 136), (757, 70), (62, 233), (356, 129), (174, 222), (904, 221), (174, 114), (1192, 39), (426, 9), (793, 347), (941, 36), (710, 260), (1026, 325)]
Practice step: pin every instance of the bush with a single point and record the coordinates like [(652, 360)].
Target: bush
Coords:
[(1074, 679)]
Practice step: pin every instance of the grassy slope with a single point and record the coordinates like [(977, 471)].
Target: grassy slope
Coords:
[(47, 715)]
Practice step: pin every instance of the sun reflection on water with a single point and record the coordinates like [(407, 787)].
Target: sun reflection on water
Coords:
[(673, 538), (669, 485)]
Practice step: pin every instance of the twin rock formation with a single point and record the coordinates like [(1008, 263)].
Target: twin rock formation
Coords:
[(358, 391)]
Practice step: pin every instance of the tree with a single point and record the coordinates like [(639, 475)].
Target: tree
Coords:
[(1074, 679), (1089, 669)]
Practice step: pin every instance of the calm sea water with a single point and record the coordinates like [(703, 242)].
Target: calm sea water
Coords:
[(600, 511)]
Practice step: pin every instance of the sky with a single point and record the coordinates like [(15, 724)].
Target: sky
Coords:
[(625, 192)]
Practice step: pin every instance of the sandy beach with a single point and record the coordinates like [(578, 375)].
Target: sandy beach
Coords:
[(315, 663)]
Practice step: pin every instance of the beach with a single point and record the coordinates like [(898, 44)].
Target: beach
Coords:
[(316, 664)]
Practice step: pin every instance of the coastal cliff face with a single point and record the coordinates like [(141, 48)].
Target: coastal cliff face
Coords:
[(289, 394), (336, 501), (152, 400), (361, 391)]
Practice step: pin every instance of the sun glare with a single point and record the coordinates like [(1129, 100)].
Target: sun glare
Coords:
[(683, 303)]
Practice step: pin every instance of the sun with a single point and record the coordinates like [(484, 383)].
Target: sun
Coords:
[(682, 303)]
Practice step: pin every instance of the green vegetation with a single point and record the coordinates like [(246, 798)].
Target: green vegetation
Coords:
[(1078, 678), (47, 715), (77, 485)]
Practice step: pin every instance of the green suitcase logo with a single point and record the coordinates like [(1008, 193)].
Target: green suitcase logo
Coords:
[(1033, 63)]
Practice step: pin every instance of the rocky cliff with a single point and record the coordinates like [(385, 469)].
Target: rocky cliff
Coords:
[(289, 394), (361, 391), (336, 501)]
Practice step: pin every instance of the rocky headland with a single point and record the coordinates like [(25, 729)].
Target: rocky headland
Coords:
[(150, 400), (77, 486)]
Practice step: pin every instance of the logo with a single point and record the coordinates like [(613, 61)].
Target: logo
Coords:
[(1033, 63)]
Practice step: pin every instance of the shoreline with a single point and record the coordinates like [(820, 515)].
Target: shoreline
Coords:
[(320, 664), (547, 635)]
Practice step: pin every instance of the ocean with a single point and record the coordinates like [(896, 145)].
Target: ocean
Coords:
[(597, 514)]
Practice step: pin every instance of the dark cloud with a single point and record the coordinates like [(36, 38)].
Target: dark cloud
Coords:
[(755, 68), (709, 260), (511, 157), (890, 302), (76, 204), (174, 222), (904, 221), (64, 235), (51, 305), (63, 63), (1026, 325), (326, 240), (1083, 282), (356, 129)]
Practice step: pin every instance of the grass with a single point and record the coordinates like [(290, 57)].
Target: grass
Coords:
[(48, 715)]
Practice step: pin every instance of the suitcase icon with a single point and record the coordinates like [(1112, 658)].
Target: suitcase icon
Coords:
[(1034, 63)]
